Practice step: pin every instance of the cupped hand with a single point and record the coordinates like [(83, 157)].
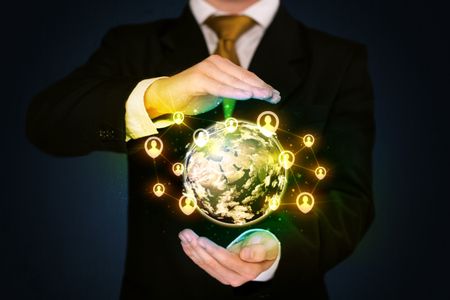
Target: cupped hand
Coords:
[(241, 263), (202, 87)]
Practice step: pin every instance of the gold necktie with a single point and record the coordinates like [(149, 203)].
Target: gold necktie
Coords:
[(228, 30)]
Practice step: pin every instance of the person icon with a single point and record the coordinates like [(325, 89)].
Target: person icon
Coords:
[(274, 202), (178, 169), (178, 117), (156, 146), (308, 140), (154, 151), (286, 159), (305, 202), (201, 137), (158, 189), (268, 123), (231, 125), (320, 172), (187, 205)]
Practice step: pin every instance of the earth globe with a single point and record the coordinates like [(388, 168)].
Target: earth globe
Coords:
[(234, 173)]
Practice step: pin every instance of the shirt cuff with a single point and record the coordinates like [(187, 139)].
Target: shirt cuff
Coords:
[(270, 272), (137, 121)]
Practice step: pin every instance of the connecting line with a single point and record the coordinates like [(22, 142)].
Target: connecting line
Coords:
[(301, 167), (188, 126), (166, 131), (315, 186), (171, 196), (279, 129), (295, 179), (288, 132), (201, 119), (156, 171), (166, 159), (301, 149), (315, 158)]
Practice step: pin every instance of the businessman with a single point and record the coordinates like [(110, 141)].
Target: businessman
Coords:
[(222, 58)]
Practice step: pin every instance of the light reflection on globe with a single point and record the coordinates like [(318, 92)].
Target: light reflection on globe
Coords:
[(235, 175)]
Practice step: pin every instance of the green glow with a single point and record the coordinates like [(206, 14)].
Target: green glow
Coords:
[(228, 107)]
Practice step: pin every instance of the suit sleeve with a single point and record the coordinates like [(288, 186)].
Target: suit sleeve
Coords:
[(344, 208), (315, 242), (85, 111)]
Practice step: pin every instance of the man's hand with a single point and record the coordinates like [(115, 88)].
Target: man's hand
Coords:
[(203, 87), (241, 263)]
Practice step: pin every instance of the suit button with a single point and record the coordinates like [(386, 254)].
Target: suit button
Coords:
[(106, 134), (111, 133)]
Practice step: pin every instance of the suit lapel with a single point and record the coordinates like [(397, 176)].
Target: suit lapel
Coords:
[(183, 45), (280, 58)]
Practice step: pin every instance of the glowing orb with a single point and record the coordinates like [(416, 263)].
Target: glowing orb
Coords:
[(235, 176)]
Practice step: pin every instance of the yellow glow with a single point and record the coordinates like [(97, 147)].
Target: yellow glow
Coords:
[(274, 202), (231, 124), (305, 202), (159, 189), (153, 146), (178, 117), (308, 140), (187, 205), (201, 137), (320, 172), (286, 159), (268, 123), (178, 168)]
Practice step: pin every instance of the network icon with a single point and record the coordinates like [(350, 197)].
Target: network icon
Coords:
[(153, 146), (268, 124), (158, 189), (178, 168)]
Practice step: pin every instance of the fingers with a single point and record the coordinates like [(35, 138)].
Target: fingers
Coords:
[(202, 87), (259, 246), (225, 266), (248, 270), (206, 262), (229, 76), (202, 259), (258, 253), (260, 91), (235, 248), (211, 86), (234, 70), (187, 235)]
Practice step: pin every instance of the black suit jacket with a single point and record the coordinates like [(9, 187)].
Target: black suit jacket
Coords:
[(325, 89)]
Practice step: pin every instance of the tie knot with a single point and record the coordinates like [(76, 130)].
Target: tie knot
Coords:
[(230, 27)]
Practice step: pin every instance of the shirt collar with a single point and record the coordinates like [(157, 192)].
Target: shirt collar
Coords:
[(262, 11)]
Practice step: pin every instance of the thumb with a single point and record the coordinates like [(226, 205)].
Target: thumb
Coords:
[(259, 252)]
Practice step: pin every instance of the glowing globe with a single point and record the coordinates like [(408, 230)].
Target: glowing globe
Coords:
[(235, 175)]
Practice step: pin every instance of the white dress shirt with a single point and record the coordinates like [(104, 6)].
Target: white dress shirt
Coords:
[(137, 121)]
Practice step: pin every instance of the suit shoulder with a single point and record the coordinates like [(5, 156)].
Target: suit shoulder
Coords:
[(140, 30), (319, 40)]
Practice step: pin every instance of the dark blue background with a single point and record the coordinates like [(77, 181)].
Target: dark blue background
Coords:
[(64, 219)]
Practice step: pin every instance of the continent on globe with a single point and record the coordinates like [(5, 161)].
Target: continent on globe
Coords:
[(235, 175)]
